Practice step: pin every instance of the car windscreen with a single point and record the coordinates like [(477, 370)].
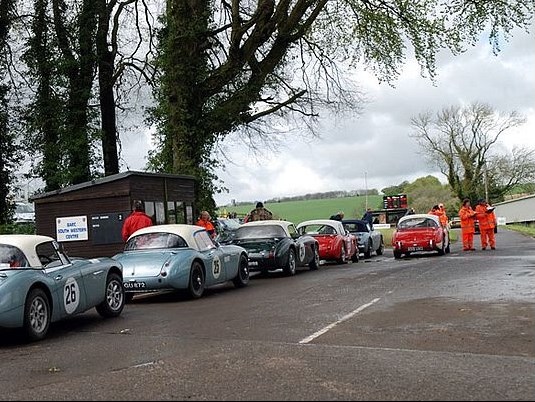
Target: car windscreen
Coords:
[(259, 232), (149, 241), (229, 224), (317, 229), (417, 223), (11, 257), (354, 227)]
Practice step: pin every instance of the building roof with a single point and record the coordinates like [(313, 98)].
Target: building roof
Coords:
[(107, 179)]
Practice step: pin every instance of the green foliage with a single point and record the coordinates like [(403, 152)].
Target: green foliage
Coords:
[(18, 228), (528, 230)]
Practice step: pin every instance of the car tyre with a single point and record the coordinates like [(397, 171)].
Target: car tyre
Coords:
[(242, 277), (355, 257), (197, 280), (343, 256), (381, 249), (397, 254), (290, 267), (114, 299), (368, 252), (315, 263), (36, 315)]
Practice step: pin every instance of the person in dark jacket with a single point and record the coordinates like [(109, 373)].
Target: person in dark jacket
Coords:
[(338, 216), (368, 217), (136, 220)]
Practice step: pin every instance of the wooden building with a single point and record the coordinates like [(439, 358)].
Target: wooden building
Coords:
[(87, 218)]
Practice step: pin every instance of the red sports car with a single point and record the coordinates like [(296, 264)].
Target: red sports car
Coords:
[(336, 243), (420, 233)]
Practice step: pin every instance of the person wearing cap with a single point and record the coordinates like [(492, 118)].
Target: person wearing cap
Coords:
[(260, 213), (467, 215), (138, 219), (486, 219)]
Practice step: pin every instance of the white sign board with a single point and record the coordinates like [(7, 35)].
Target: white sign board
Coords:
[(72, 228)]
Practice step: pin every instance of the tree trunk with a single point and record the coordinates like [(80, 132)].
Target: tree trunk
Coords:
[(106, 62)]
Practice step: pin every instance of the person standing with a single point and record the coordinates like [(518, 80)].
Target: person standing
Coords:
[(205, 220), (338, 216), (138, 219), (486, 218), (260, 213), (368, 217), (467, 215), (443, 216)]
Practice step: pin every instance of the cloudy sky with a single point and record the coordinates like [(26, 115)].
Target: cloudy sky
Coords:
[(374, 149)]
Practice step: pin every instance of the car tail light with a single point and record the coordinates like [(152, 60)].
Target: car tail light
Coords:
[(165, 268)]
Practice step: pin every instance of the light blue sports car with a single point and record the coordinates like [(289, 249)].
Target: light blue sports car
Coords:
[(173, 257), (39, 284)]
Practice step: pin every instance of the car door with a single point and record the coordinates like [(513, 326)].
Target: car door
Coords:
[(68, 290), (304, 253), (213, 257)]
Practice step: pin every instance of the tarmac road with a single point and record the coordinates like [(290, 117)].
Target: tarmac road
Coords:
[(457, 327)]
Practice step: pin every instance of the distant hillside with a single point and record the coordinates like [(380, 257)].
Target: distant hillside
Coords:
[(299, 211), (314, 196)]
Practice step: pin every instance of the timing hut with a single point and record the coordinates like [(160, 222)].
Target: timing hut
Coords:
[(87, 218)]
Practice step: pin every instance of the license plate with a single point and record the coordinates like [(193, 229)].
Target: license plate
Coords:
[(253, 263), (134, 285), (415, 248)]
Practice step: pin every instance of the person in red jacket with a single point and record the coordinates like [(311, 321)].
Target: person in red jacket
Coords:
[(486, 218), (136, 220), (467, 215)]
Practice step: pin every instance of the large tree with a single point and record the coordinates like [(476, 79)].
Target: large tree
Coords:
[(234, 65), (8, 149), (463, 143), (74, 50)]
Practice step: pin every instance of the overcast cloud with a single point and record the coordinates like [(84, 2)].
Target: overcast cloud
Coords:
[(374, 148)]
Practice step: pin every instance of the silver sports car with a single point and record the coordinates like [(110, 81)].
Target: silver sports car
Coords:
[(176, 256), (39, 284)]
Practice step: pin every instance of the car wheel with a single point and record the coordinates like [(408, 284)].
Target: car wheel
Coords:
[(242, 277), (442, 249), (355, 257), (290, 267), (315, 263), (36, 315), (397, 254), (196, 280), (381, 249), (368, 252), (114, 300), (343, 256)]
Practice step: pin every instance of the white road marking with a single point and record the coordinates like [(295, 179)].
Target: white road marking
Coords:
[(315, 335)]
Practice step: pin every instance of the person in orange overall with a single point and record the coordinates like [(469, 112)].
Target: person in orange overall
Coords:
[(467, 215), (486, 218), (443, 216), (205, 222)]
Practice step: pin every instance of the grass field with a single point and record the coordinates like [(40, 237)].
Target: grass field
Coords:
[(299, 211)]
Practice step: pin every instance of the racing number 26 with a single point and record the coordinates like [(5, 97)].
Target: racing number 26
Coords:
[(70, 293)]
